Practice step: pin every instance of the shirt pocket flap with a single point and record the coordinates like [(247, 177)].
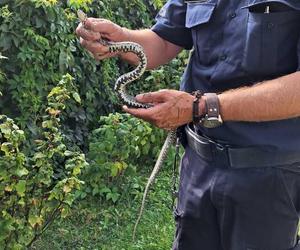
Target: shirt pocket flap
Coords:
[(198, 13), (294, 4)]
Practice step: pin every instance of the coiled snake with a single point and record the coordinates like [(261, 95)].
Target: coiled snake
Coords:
[(126, 99)]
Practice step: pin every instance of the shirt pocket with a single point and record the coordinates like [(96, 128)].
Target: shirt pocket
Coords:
[(273, 29), (198, 18)]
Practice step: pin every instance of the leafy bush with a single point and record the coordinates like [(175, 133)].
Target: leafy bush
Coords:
[(38, 36), (117, 149), (32, 194)]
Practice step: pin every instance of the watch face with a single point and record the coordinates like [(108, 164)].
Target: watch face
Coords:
[(211, 122)]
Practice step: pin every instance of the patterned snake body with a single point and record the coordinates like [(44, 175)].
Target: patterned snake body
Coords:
[(124, 80), (126, 99)]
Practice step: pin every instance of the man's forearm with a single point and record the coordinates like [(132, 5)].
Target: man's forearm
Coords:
[(271, 100), (158, 50)]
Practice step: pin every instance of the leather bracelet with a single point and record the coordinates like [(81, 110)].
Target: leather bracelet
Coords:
[(196, 116)]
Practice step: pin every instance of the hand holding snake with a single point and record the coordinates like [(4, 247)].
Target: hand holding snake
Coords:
[(167, 103)]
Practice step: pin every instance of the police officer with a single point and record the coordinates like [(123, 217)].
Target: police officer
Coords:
[(240, 174)]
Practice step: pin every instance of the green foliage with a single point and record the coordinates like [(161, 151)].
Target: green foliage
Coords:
[(120, 146), (157, 4), (31, 195), (41, 160), (39, 38), (110, 228), (167, 76)]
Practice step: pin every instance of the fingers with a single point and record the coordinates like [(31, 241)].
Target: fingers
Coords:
[(171, 108), (86, 34), (94, 47), (153, 97), (93, 30), (100, 25), (97, 50), (105, 56), (144, 114), (150, 115)]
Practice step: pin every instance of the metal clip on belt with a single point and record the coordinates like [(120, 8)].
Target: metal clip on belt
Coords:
[(235, 157)]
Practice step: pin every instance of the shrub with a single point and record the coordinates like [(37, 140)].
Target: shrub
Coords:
[(117, 149), (38, 36), (32, 190)]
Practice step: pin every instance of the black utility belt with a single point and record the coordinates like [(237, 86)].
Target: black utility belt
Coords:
[(246, 157)]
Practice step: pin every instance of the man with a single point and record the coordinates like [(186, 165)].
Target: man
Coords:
[(240, 179)]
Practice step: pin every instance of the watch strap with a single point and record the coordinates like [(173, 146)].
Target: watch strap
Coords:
[(212, 105)]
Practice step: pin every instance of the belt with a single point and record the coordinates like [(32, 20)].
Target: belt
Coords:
[(235, 157)]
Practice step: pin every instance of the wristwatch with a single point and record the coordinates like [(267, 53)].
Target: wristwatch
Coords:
[(212, 118)]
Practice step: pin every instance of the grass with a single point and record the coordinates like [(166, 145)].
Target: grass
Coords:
[(97, 225)]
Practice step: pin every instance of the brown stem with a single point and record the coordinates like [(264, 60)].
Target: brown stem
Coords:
[(46, 225)]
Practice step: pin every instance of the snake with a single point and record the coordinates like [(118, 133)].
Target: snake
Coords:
[(120, 89)]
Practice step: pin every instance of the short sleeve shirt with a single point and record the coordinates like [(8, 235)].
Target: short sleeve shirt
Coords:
[(237, 43)]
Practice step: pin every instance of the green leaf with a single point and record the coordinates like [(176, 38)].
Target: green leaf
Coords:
[(77, 170), (105, 190), (21, 188), (95, 191), (76, 97), (5, 129), (21, 172), (83, 195), (54, 91), (140, 128), (6, 147), (68, 153), (35, 220), (115, 169), (67, 188), (38, 155)]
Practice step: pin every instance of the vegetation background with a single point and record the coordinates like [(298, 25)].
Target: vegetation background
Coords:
[(72, 165)]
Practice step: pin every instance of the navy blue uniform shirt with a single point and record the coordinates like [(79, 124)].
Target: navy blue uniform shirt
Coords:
[(237, 43)]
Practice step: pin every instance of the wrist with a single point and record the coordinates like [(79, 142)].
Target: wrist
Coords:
[(126, 36)]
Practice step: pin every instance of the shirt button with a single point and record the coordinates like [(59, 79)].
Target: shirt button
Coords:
[(223, 57), (232, 15)]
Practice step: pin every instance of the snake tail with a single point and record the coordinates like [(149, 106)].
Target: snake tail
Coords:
[(170, 140)]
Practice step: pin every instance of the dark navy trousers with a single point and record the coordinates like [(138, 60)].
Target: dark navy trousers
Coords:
[(236, 209)]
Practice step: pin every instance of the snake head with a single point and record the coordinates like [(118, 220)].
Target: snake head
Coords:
[(82, 16)]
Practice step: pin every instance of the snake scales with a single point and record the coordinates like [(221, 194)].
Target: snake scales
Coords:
[(126, 99)]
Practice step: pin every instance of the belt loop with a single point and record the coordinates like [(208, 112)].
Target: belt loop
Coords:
[(221, 154)]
